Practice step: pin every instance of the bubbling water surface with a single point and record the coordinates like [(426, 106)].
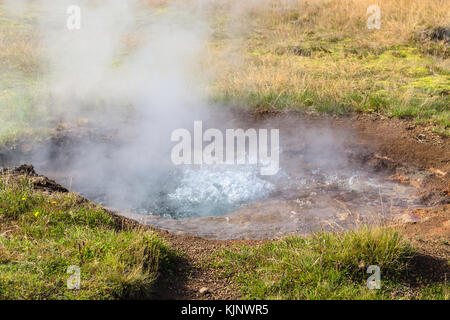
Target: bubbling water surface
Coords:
[(325, 181)]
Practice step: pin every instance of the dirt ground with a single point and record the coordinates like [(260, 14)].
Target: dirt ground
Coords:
[(407, 149)]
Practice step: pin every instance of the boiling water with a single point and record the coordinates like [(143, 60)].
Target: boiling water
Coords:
[(322, 184), (206, 191), (236, 202)]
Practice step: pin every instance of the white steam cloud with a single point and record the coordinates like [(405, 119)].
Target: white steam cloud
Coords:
[(131, 69)]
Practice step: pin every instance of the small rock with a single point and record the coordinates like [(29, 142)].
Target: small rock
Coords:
[(204, 290), (421, 138)]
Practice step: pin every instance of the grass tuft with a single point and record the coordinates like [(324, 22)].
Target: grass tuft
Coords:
[(324, 266), (42, 235)]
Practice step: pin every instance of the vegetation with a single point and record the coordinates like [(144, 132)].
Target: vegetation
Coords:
[(326, 266), (313, 55), (42, 235), (320, 56)]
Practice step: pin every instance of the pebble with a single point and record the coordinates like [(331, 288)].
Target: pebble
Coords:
[(204, 290)]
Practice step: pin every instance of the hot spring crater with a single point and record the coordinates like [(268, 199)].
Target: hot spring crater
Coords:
[(328, 179)]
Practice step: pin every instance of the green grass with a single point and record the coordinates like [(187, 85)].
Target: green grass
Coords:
[(42, 235), (326, 266)]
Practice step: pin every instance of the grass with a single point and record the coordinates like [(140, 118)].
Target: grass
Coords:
[(326, 266), (320, 56), (315, 55), (41, 235)]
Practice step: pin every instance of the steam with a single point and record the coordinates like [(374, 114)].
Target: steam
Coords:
[(159, 81), (92, 69), (133, 72)]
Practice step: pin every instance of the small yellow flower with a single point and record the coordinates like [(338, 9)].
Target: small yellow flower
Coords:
[(23, 199), (53, 202), (36, 213), (161, 11)]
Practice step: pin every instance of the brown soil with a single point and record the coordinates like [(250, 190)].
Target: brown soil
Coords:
[(40, 183), (399, 145), (195, 273), (417, 148)]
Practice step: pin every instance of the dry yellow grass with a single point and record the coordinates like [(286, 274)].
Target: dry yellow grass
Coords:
[(321, 54), (19, 46), (315, 54), (398, 17)]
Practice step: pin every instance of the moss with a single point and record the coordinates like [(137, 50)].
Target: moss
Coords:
[(436, 84)]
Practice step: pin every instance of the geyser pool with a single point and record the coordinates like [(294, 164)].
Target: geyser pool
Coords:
[(192, 192), (325, 181), (233, 202)]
